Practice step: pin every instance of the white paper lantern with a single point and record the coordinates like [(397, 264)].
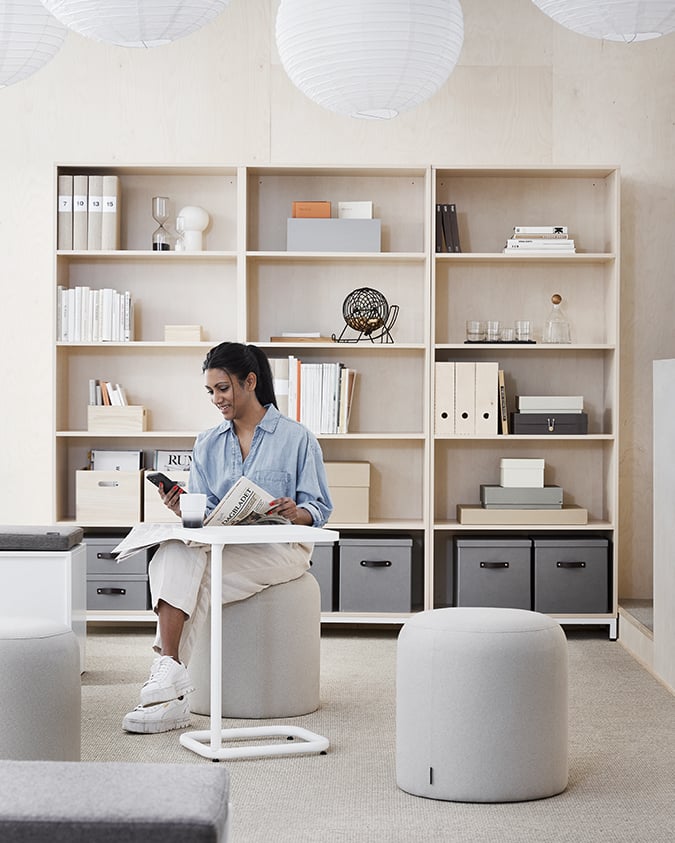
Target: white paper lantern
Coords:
[(369, 58), (29, 38), (613, 20), (135, 23)]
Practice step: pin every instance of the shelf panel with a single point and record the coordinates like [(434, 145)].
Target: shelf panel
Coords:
[(455, 526), (525, 348), (182, 434), (499, 257), (135, 345), (413, 257), (145, 255), (544, 437)]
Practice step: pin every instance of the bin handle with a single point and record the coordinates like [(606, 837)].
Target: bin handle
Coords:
[(108, 483), (106, 555), (494, 564), (111, 591), (376, 563), (570, 564)]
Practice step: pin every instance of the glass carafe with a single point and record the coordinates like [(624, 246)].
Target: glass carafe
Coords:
[(556, 327)]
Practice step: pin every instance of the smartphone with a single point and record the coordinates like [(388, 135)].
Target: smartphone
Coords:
[(157, 477)]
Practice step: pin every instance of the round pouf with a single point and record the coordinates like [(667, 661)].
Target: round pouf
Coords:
[(271, 649), (40, 693), (481, 705)]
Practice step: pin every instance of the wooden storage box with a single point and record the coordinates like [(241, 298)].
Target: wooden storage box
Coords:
[(108, 498), (153, 506), (132, 419), (349, 484), (182, 333)]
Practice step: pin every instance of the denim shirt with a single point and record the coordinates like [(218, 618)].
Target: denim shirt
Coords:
[(285, 459)]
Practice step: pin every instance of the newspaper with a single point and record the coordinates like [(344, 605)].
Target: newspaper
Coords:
[(245, 503)]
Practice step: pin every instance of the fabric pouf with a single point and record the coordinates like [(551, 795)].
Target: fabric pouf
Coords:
[(271, 654), (481, 705), (40, 693)]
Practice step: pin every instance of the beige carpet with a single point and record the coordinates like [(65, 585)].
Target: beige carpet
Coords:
[(622, 753)]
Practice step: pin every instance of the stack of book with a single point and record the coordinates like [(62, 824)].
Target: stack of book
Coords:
[(319, 395), (106, 394), (447, 228), (86, 315), (88, 212), (544, 239)]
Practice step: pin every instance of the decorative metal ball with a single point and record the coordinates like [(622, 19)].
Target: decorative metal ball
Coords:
[(365, 310)]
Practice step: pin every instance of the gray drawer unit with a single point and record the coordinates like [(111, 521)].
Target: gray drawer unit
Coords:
[(100, 560), (571, 575), (493, 572), (321, 566), (375, 575), (117, 593)]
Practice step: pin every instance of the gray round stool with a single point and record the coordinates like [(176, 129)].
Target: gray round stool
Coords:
[(271, 654), (40, 693), (481, 705)]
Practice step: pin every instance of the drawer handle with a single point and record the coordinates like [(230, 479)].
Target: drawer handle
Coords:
[(106, 555), (570, 564), (376, 563), (108, 483), (494, 564), (111, 591)]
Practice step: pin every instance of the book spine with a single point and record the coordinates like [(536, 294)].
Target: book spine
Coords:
[(503, 404), (447, 228), (65, 213), (454, 228), (540, 230), (110, 216), (94, 212)]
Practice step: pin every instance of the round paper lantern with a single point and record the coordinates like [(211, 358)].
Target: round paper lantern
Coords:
[(369, 58), (135, 23), (613, 20), (29, 38)]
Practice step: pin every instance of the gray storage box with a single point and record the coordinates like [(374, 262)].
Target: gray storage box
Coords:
[(321, 566), (375, 575), (101, 561), (333, 235), (571, 575), (515, 497), (117, 594), (39, 538), (493, 572)]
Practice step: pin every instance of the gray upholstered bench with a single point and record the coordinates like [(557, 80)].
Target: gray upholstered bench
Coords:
[(97, 802)]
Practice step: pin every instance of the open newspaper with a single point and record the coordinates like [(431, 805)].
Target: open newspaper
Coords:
[(245, 503)]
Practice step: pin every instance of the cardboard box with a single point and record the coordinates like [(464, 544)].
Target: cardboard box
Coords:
[(311, 210), (182, 333), (524, 473), (153, 506), (132, 419), (470, 514), (349, 484), (334, 235), (108, 498)]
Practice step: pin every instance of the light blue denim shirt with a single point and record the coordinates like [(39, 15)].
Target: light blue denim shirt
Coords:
[(285, 459)]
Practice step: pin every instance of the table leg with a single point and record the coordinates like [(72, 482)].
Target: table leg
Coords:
[(216, 644)]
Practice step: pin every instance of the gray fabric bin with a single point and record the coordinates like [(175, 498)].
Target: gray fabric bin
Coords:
[(375, 575), (101, 561), (321, 566), (571, 575), (493, 572), (117, 593)]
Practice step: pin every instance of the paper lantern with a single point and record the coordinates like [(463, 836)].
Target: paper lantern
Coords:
[(613, 20), (135, 23), (369, 58), (29, 38)]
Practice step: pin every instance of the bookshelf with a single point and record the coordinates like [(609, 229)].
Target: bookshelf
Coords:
[(245, 286)]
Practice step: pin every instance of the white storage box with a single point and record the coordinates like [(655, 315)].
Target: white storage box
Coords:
[(525, 473), (108, 497), (333, 235), (349, 484)]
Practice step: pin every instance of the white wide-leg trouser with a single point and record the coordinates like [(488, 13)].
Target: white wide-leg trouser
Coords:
[(181, 576)]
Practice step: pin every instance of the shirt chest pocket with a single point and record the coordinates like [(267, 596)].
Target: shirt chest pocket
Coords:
[(277, 483)]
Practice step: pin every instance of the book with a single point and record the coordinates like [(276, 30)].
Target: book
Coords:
[(311, 210), (296, 338), (279, 367), (540, 243), (540, 230), (503, 404), (103, 460), (180, 460), (440, 241), (110, 216), (80, 212), (447, 228), (245, 503), (454, 228), (94, 212), (65, 213)]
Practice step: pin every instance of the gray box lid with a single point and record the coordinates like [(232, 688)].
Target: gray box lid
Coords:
[(562, 541), (39, 538), (493, 542)]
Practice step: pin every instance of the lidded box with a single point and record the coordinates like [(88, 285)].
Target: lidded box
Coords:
[(521, 473)]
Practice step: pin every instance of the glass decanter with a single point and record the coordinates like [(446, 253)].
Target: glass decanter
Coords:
[(160, 212), (556, 327)]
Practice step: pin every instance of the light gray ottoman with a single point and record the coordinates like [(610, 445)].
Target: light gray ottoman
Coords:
[(481, 705), (96, 802), (271, 654), (40, 693)]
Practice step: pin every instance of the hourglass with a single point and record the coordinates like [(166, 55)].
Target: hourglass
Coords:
[(160, 212)]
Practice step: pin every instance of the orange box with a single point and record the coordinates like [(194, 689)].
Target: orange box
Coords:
[(311, 210)]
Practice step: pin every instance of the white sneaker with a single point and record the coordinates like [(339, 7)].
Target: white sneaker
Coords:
[(163, 717), (168, 680)]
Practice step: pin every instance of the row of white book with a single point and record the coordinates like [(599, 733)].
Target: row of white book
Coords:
[(84, 314), (88, 212), (319, 395), (547, 239), (106, 394)]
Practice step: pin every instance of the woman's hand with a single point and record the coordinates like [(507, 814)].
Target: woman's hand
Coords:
[(287, 508), (171, 498)]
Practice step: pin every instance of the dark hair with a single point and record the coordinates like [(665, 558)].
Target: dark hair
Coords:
[(238, 360)]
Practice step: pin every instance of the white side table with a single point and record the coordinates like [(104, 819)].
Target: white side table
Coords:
[(51, 585), (209, 743)]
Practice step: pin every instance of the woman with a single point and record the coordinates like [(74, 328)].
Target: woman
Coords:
[(278, 454)]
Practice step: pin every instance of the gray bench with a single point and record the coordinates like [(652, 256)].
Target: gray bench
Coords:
[(99, 802)]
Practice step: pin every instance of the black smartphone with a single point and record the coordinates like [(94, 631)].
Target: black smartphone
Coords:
[(157, 477)]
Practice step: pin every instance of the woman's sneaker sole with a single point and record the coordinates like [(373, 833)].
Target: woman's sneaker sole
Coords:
[(161, 717)]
